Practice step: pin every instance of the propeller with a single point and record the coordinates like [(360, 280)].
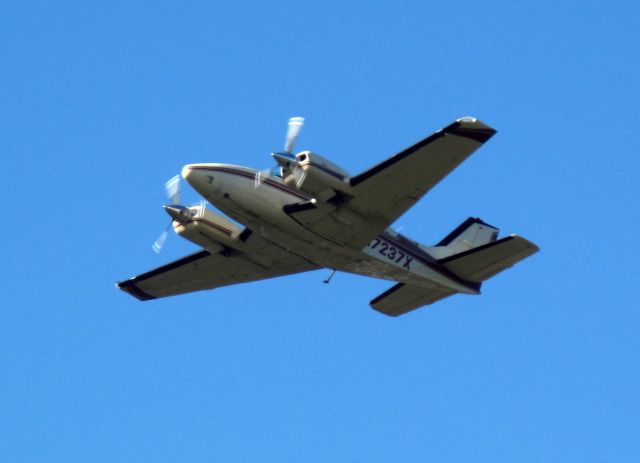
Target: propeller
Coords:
[(286, 158), (172, 188), (293, 130), (260, 175), (299, 174), (157, 245), (202, 208), (177, 212)]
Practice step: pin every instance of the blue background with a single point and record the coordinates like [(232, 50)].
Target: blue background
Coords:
[(102, 102)]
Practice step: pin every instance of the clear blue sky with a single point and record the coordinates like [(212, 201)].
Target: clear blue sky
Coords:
[(102, 102)]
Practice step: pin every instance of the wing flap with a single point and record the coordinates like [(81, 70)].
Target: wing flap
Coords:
[(340, 225), (483, 262), (403, 298)]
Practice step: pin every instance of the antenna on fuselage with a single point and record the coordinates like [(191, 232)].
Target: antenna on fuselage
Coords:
[(328, 280)]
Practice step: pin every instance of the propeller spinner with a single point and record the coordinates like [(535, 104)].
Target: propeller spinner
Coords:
[(175, 210)]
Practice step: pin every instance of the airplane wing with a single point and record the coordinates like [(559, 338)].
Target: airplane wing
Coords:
[(383, 193), (205, 270), (387, 190)]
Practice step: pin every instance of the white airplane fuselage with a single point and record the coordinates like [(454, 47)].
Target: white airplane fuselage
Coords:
[(258, 202), (309, 213)]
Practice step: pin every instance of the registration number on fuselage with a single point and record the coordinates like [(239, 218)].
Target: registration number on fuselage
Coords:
[(391, 253)]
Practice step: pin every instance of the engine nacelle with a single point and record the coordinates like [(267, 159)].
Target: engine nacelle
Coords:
[(316, 175), (210, 230)]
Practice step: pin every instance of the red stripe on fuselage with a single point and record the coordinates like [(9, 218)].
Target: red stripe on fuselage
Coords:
[(211, 224), (326, 169), (250, 176)]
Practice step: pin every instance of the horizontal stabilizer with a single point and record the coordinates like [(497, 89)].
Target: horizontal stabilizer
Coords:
[(483, 262), (403, 298)]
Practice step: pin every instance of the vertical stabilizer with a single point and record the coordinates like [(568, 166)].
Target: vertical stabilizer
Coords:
[(470, 234)]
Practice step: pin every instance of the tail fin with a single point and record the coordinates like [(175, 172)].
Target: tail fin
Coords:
[(470, 234), (483, 262)]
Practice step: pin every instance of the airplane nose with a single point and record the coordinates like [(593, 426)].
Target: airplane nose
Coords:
[(187, 172), (195, 176)]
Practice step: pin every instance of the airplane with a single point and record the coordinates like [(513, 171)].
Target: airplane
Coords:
[(308, 213)]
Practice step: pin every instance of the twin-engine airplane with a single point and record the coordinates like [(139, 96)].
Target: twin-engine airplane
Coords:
[(308, 213)]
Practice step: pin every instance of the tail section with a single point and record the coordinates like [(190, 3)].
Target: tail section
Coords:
[(472, 252), (483, 262)]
